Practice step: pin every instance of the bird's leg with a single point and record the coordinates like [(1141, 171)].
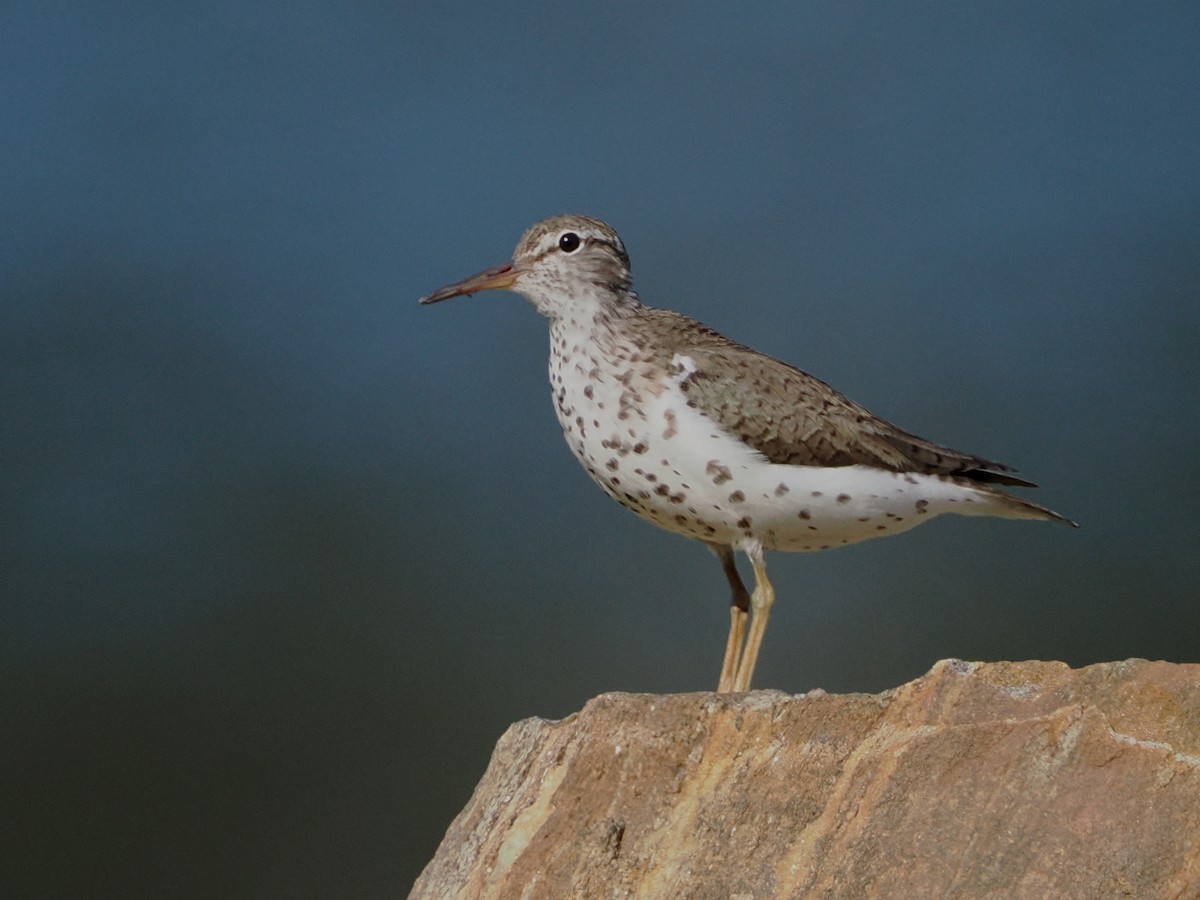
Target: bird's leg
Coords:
[(761, 602), (739, 612)]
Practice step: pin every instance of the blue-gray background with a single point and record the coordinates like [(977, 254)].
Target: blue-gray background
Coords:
[(284, 553)]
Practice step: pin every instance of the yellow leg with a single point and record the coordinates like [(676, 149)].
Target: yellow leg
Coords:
[(739, 613), (733, 649), (761, 602)]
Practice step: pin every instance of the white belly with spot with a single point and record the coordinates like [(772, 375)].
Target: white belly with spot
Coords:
[(643, 445)]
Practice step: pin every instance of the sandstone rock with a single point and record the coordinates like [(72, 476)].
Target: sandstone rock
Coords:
[(1013, 780)]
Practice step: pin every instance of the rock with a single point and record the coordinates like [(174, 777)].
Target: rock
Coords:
[(1013, 780)]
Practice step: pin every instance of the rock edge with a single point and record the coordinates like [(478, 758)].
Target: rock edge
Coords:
[(1012, 780)]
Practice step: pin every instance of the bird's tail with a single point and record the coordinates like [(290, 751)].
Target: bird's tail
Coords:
[(1009, 506)]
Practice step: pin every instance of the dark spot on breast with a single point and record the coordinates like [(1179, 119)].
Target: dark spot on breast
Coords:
[(612, 465), (737, 497), (843, 498), (817, 494), (639, 447), (677, 498), (662, 490), (719, 473), (588, 392), (744, 522), (781, 490), (680, 519), (670, 431)]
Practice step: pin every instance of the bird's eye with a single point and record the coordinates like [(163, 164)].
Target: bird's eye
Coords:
[(568, 242)]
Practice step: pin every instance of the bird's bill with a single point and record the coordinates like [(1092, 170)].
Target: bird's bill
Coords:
[(492, 279)]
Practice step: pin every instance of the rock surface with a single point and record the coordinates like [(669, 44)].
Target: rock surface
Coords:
[(1013, 780)]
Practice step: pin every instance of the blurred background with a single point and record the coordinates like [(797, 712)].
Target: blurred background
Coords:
[(284, 553)]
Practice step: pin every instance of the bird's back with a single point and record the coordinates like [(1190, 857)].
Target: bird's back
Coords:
[(794, 418)]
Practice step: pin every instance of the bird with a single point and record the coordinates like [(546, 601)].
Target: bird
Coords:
[(707, 438)]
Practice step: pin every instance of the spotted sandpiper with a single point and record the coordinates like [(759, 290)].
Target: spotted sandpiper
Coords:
[(707, 438)]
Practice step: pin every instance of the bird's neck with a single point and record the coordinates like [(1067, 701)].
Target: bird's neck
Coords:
[(593, 305)]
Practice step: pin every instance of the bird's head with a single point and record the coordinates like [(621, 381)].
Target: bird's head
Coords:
[(561, 265)]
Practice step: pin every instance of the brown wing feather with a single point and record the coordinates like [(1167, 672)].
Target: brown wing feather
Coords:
[(818, 426)]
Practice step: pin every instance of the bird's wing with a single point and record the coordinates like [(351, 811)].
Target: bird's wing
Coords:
[(793, 418)]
